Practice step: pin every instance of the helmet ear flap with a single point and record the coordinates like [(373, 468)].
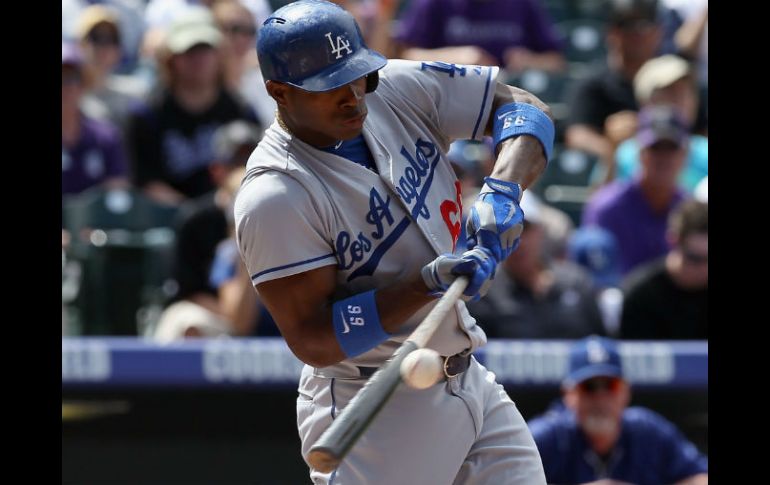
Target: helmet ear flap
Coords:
[(372, 81)]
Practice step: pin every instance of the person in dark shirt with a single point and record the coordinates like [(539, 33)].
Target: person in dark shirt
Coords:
[(203, 223), (170, 138), (668, 299), (595, 438)]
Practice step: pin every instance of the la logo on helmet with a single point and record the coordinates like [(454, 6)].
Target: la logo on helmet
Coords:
[(341, 44)]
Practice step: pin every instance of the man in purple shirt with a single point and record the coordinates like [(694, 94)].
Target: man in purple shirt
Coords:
[(636, 211), (513, 34), (91, 150)]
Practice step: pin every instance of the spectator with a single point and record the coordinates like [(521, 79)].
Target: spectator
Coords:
[(241, 66), (170, 137), (596, 438), (535, 297), (203, 224), (596, 250), (602, 107), (668, 299), (91, 151), (111, 95), (513, 34), (668, 80), (635, 211)]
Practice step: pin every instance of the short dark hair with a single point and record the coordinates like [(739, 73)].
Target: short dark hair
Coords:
[(690, 217)]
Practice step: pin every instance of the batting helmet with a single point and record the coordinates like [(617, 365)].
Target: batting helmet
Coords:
[(316, 46)]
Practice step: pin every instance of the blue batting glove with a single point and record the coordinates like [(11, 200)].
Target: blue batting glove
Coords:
[(496, 219), (478, 264)]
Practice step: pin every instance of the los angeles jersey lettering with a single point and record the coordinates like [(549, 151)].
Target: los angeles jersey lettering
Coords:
[(301, 208)]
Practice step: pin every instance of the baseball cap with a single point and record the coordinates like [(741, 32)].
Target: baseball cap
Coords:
[(94, 15), (194, 26), (661, 122), (627, 13), (596, 249), (593, 357), (232, 136), (71, 54), (658, 73)]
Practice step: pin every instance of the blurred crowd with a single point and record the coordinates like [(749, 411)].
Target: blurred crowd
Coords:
[(163, 102)]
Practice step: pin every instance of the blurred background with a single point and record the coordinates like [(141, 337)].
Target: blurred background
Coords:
[(172, 370)]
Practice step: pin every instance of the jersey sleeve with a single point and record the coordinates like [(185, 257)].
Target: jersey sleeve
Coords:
[(279, 229), (456, 98)]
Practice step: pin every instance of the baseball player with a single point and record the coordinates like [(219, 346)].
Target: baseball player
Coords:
[(347, 219)]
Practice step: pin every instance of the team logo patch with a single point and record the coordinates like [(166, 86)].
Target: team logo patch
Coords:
[(342, 44)]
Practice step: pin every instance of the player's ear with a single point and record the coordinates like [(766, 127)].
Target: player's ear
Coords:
[(277, 91)]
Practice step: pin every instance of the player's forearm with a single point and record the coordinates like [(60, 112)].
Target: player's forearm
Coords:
[(520, 159), (307, 321), (315, 340)]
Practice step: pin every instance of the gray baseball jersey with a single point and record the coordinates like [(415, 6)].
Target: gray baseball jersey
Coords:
[(301, 208)]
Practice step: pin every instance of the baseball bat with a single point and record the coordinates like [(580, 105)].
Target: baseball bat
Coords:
[(331, 448)]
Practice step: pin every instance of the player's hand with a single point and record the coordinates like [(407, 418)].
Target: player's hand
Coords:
[(496, 219), (478, 264)]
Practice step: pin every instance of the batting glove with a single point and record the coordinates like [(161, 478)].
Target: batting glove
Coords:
[(496, 219), (478, 264)]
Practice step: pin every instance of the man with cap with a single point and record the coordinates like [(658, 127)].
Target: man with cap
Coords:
[(171, 137), (635, 211), (595, 438), (669, 80), (602, 107)]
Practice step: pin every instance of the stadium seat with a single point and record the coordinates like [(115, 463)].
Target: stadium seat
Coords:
[(123, 243)]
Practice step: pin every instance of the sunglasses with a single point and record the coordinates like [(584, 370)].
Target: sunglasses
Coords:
[(590, 386), (234, 29), (103, 39)]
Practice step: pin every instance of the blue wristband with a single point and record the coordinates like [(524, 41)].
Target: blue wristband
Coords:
[(514, 119), (357, 324)]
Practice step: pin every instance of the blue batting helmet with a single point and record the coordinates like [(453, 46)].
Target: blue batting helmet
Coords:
[(316, 46)]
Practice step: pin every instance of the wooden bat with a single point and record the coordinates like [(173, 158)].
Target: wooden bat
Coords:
[(331, 448)]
